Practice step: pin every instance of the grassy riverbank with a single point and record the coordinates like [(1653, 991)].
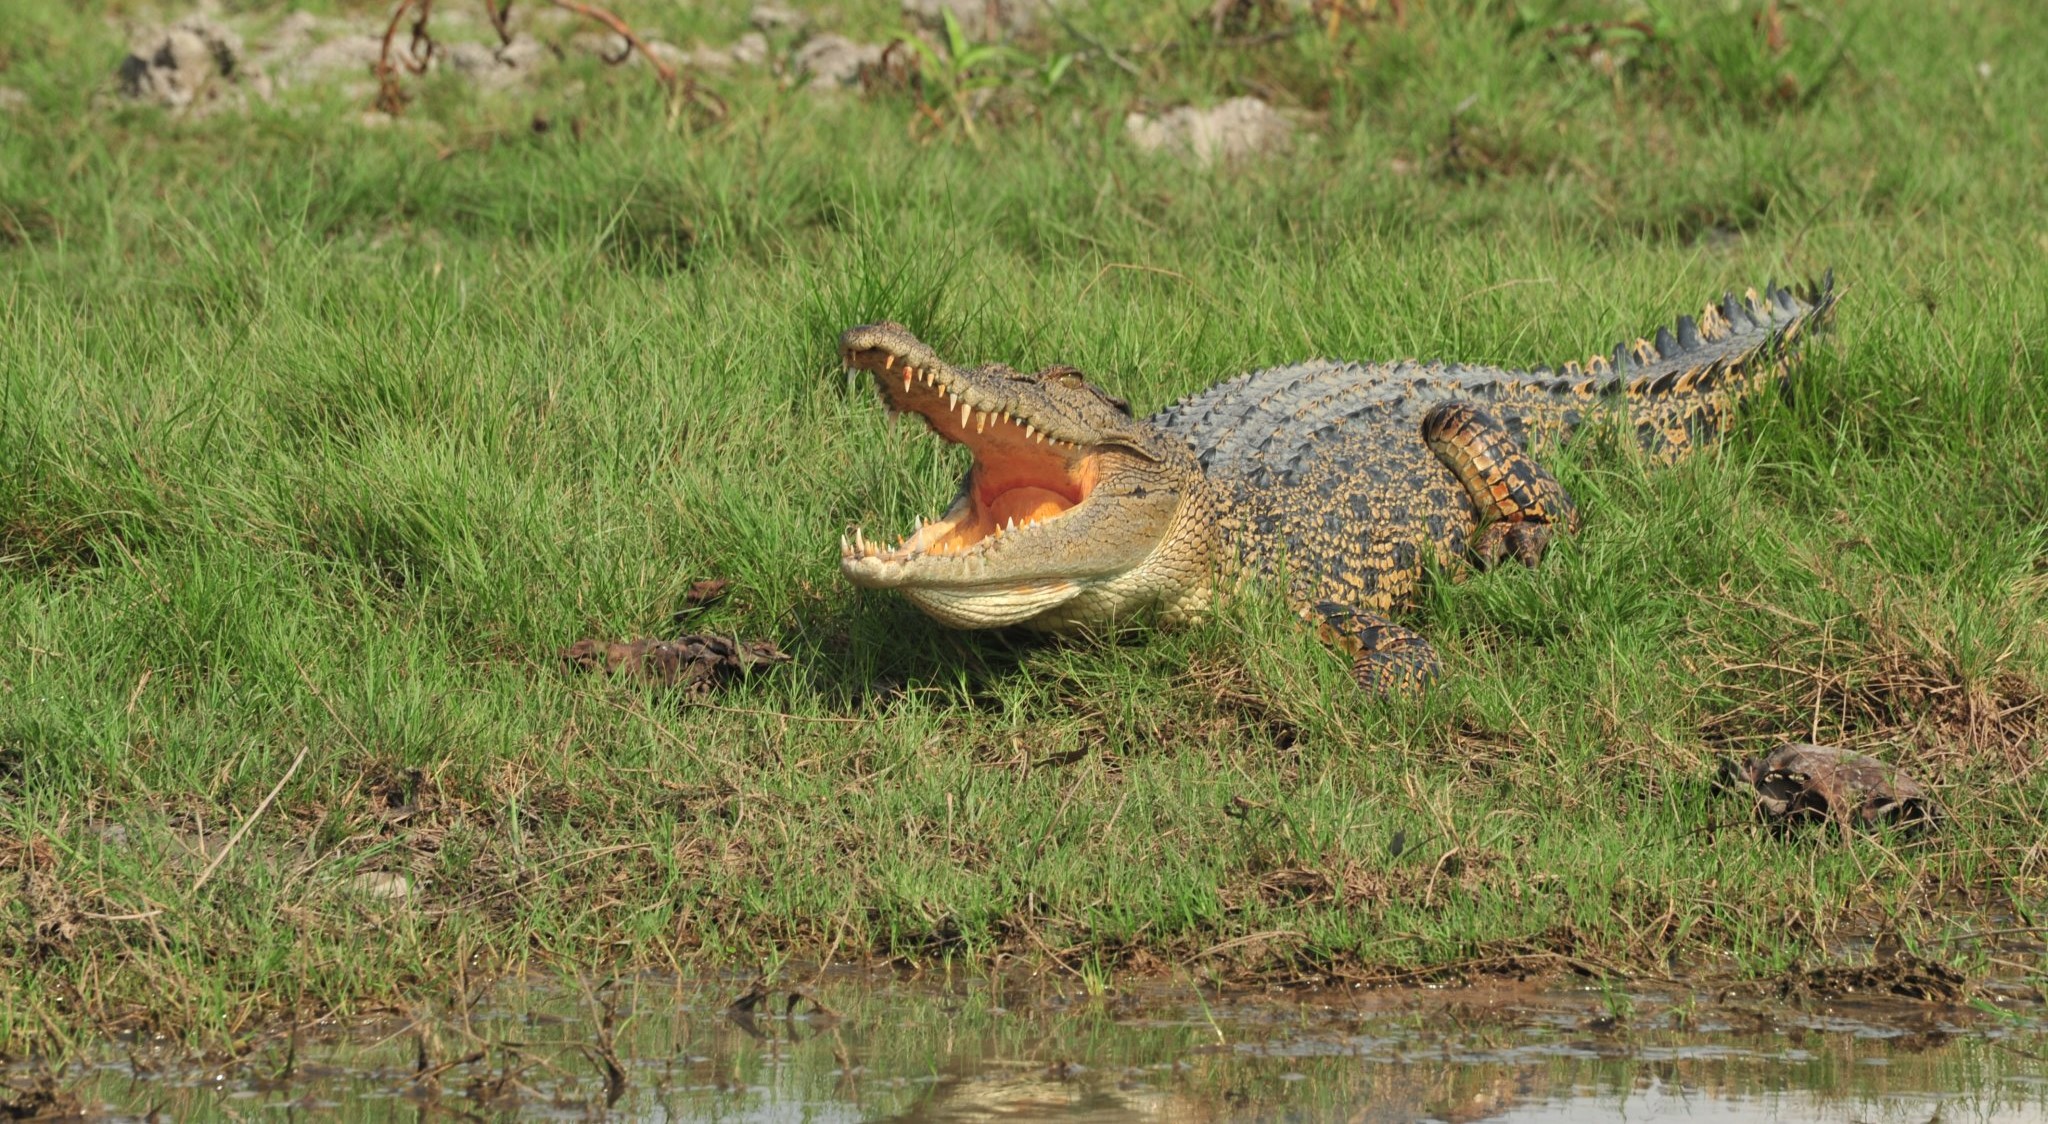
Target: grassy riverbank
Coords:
[(320, 438)]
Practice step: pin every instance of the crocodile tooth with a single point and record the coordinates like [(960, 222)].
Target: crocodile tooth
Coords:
[(845, 547), (966, 414), (981, 421), (906, 380), (1028, 431), (888, 361), (1013, 524)]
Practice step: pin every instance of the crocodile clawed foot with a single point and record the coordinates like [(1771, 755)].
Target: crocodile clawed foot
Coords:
[(1519, 504), (1386, 659), (1523, 540)]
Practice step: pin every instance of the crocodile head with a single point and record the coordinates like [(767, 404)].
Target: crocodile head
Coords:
[(1073, 511)]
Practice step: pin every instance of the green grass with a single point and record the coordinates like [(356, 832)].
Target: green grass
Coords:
[(328, 437)]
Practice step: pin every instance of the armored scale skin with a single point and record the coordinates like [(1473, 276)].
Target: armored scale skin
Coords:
[(1340, 483)]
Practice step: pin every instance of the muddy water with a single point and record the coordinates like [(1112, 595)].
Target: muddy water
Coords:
[(1047, 1049)]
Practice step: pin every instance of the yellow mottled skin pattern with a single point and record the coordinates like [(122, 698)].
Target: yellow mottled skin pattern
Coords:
[(1341, 483)]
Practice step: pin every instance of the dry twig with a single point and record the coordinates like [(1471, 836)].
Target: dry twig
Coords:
[(206, 874), (682, 88)]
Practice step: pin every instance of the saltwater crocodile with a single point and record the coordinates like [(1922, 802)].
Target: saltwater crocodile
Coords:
[(1341, 483)]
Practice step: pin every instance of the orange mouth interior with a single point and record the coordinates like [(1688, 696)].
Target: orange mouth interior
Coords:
[(1020, 476)]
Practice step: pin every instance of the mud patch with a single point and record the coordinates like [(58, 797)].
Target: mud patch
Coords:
[(40, 1097), (1902, 976)]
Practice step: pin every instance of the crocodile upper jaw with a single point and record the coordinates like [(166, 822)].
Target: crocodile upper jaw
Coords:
[(1066, 493)]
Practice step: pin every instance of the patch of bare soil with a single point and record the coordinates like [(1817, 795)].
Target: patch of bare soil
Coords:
[(42, 1099), (1902, 976)]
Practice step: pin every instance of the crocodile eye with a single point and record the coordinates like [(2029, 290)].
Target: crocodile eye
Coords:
[(1073, 378)]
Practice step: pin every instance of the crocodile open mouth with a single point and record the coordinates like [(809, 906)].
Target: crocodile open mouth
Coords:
[(1022, 475)]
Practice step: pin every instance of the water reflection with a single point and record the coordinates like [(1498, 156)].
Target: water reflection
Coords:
[(1006, 1051)]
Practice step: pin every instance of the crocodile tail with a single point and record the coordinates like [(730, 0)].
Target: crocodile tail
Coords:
[(1682, 387)]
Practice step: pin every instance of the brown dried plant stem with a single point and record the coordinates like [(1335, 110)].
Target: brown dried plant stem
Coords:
[(681, 88), (500, 15), (207, 874), (666, 72), (391, 98)]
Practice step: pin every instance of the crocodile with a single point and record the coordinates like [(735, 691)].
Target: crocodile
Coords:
[(1340, 484)]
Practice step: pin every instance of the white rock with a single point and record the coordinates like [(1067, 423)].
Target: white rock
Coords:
[(831, 61), (350, 54), (614, 49), (750, 49), (525, 53), (771, 16), (294, 34), (193, 61), (499, 67), (1236, 129), (472, 59), (608, 46), (672, 55), (981, 20)]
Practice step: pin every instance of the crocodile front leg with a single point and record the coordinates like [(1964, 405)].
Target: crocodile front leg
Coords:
[(1386, 658), (1520, 504)]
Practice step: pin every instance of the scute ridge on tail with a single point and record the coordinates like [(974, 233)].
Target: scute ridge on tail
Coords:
[(1681, 389)]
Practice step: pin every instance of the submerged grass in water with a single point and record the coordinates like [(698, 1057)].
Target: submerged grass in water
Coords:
[(324, 438)]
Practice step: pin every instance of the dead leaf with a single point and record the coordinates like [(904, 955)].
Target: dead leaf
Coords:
[(1800, 781), (693, 663), (706, 591)]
